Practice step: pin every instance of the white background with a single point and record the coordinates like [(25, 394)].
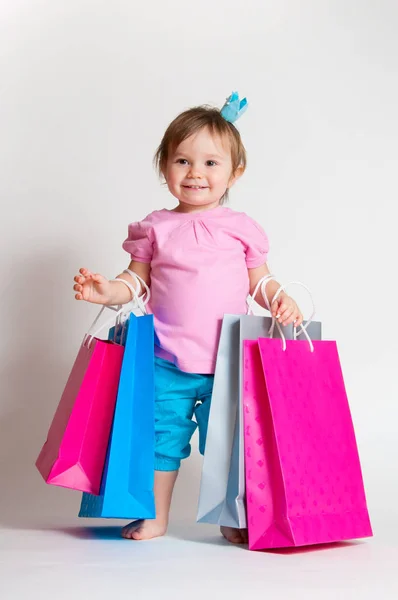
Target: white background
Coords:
[(86, 91)]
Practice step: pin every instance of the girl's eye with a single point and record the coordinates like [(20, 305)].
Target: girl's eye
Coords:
[(211, 163), (182, 161)]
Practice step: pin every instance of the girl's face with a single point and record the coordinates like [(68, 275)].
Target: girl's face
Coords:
[(200, 170)]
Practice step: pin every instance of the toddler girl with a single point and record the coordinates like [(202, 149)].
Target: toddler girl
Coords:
[(201, 260)]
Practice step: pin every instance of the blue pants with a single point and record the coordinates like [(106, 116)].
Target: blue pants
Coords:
[(179, 396)]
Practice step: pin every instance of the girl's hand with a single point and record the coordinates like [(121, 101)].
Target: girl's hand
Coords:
[(286, 311), (92, 287)]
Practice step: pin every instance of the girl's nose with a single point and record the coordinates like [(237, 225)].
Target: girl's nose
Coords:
[(194, 172)]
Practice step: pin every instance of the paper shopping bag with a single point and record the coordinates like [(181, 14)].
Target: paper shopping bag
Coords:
[(127, 483), (303, 475), (220, 478), (222, 489), (74, 453)]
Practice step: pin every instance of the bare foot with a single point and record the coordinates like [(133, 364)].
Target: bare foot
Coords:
[(144, 529), (235, 536)]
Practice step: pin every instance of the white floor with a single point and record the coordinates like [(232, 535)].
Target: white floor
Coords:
[(46, 552), (83, 559)]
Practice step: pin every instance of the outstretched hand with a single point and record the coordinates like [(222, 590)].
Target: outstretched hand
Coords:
[(92, 287)]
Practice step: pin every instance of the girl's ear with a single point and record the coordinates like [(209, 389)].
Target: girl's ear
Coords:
[(235, 176)]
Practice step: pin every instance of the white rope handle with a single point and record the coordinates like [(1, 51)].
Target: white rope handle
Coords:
[(89, 335), (263, 284), (140, 281), (139, 301), (136, 300)]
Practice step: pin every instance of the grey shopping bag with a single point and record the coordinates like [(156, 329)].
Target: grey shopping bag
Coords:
[(222, 490)]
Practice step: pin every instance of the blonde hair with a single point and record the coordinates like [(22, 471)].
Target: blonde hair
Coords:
[(193, 120)]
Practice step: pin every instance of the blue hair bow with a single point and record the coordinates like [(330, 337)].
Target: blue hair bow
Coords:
[(233, 108)]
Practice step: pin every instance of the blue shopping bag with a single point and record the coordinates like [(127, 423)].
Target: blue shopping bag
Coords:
[(127, 482)]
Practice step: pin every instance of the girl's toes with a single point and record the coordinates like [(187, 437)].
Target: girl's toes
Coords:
[(127, 532)]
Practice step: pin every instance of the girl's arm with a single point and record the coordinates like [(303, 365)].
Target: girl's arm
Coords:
[(284, 307)]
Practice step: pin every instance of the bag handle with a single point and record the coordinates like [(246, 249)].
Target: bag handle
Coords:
[(136, 301), (263, 284), (89, 336), (147, 293)]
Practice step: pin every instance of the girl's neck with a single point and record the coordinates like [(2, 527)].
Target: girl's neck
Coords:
[(187, 208)]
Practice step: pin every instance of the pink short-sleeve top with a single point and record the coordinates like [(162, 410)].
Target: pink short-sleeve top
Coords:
[(199, 272)]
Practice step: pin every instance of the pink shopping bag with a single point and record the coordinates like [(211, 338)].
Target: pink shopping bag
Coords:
[(303, 475), (74, 454)]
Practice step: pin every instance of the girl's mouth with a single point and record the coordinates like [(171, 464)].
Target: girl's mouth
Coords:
[(195, 187)]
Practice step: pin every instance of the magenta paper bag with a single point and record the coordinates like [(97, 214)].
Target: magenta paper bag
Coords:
[(74, 453), (303, 475)]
